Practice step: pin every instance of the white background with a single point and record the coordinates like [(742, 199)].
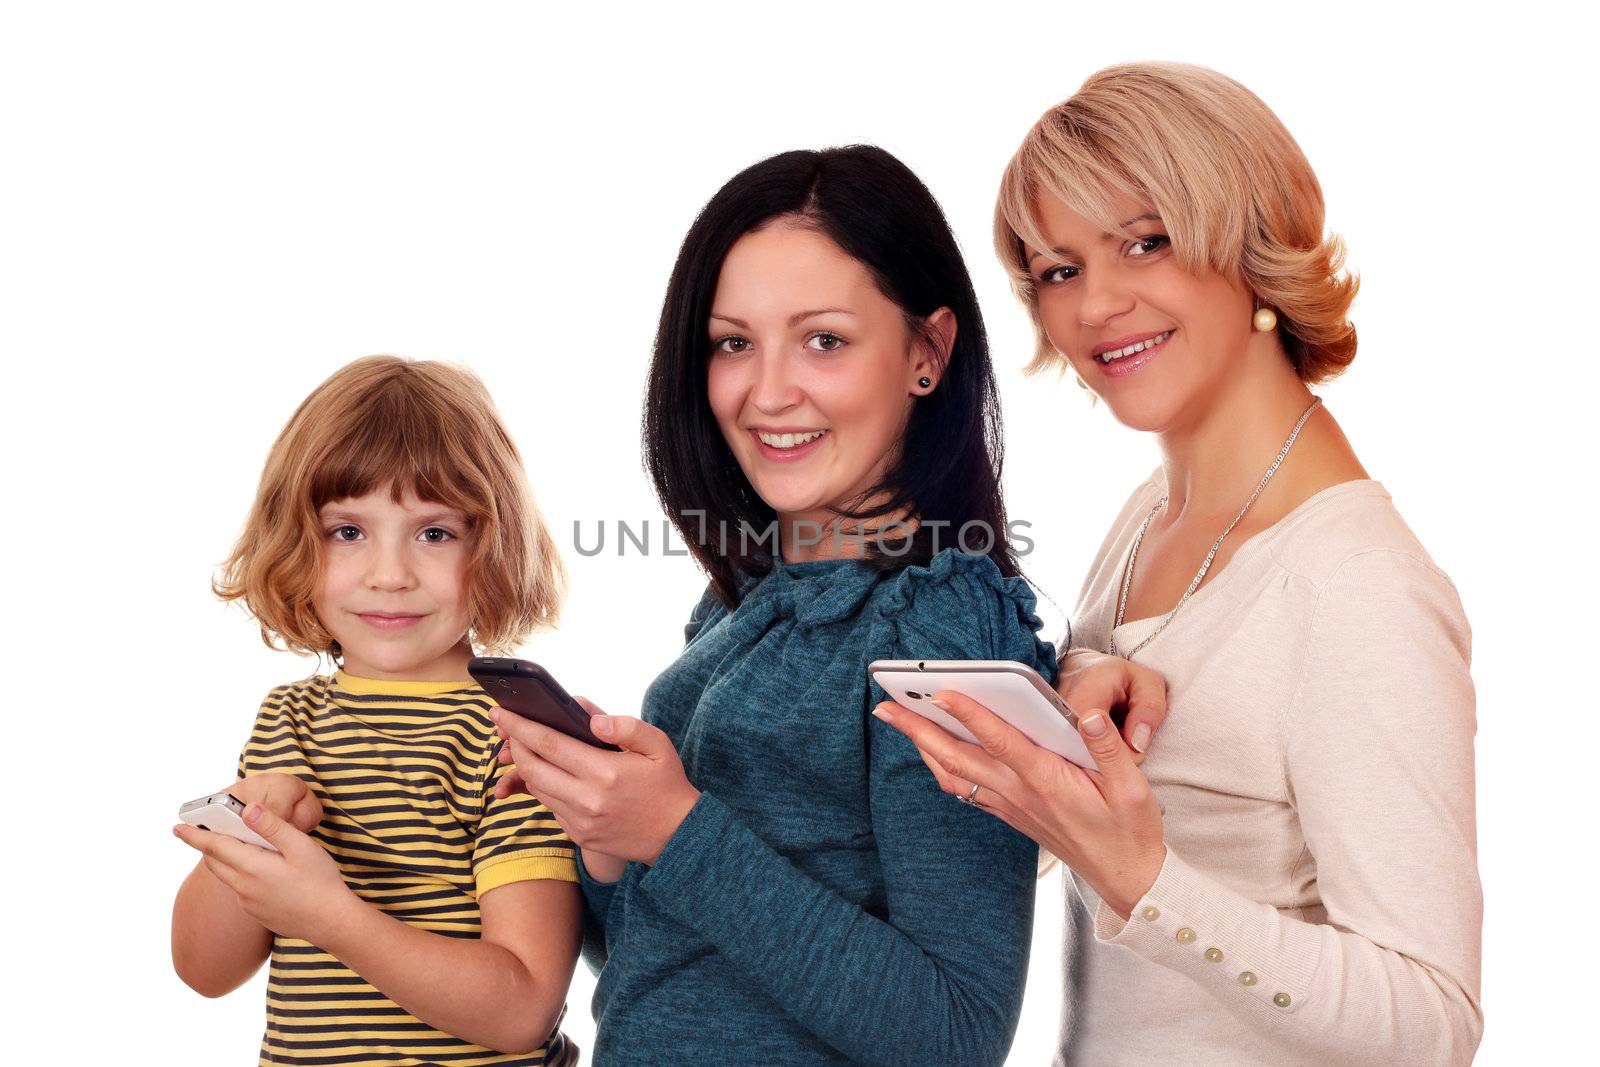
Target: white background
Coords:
[(209, 207)]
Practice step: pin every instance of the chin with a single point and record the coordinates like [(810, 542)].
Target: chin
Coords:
[(789, 499), (394, 660), (1147, 413)]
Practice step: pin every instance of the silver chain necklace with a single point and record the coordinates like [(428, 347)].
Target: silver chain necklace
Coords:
[(1199, 576)]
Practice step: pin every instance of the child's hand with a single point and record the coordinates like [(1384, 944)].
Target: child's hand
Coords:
[(287, 797), (296, 891)]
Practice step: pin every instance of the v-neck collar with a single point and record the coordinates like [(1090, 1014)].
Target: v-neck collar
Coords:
[(1132, 631)]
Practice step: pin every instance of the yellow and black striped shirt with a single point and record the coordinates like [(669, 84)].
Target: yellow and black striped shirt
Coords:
[(405, 772)]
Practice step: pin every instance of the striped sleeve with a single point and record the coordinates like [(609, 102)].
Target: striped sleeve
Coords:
[(518, 839), (269, 729)]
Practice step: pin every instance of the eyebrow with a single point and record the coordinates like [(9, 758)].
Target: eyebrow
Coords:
[(1148, 216), (444, 516), (332, 513), (797, 317)]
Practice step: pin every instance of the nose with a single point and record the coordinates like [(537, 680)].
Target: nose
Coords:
[(776, 389), (389, 566), (1105, 297)]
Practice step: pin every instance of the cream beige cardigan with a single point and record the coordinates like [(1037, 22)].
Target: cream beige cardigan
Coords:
[(1320, 901)]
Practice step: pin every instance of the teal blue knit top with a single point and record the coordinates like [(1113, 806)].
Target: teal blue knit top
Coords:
[(824, 901)]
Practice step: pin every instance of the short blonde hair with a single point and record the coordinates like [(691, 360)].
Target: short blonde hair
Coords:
[(424, 427), (1233, 188)]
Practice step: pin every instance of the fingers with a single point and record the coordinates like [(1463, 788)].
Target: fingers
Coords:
[(222, 872), (285, 795), (1108, 682), (958, 759), (225, 850), (633, 735), (1112, 757), (997, 737), (284, 837), (627, 732), (543, 779), (947, 781), (189, 835), (510, 782), (1101, 687), (306, 813), (1147, 707), (551, 746)]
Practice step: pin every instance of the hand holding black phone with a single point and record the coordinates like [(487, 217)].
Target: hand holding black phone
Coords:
[(524, 687)]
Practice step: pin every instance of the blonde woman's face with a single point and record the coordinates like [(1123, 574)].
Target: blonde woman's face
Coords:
[(1158, 343), (393, 586)]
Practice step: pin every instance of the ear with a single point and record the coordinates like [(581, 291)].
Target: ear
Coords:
[(934, 346)]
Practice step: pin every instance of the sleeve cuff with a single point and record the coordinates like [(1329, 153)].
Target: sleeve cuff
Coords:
[(1234, 946), (676, 871), (528, 865)]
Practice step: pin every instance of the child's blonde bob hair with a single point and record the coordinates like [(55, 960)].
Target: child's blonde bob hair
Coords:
[(389, 423), (1233, 188)]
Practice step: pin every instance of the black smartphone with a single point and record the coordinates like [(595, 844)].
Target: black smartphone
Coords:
[(528, 689)]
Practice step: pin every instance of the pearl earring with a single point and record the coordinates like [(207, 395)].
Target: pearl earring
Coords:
[(925, 381), (1265, 320)]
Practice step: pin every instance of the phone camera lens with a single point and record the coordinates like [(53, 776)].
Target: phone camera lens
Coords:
[(913, 694)]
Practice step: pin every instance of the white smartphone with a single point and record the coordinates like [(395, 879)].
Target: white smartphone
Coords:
[(223, 814), (1014, 691)]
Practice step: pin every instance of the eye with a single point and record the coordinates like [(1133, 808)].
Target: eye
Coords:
[(345, 532), (824, 341), (1061, 272), (732, 344), (436, 535), (1148, 246)]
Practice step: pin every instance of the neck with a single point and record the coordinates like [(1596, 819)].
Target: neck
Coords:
[(1215, 452), (827, 535), (449, 667)]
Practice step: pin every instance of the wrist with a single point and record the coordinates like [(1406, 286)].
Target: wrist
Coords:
[(1077, 654), (602, 869), (679, 811), (1134, 884), (344, 921)]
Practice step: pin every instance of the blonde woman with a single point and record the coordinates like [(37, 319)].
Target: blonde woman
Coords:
[(1290, 877)]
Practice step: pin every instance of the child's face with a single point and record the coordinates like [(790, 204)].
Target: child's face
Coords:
[(393, 586)]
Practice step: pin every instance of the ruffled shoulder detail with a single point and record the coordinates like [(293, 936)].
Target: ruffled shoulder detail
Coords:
[(959, 606), (709, 607)]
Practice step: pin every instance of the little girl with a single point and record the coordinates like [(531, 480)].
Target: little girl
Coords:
[(410, 915)]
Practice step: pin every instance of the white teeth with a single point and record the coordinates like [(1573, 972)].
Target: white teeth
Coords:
[(1107, 357), (788, 440)]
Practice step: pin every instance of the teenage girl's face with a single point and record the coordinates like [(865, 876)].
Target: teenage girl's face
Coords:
[(813, 371), (393, 588), (1106, 293)]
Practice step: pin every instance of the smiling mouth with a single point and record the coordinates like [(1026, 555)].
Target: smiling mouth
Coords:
[(787, 440), (1107, 358), (388, 622)]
